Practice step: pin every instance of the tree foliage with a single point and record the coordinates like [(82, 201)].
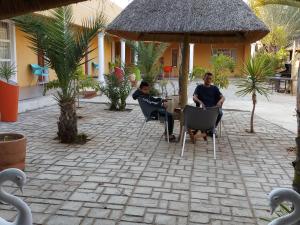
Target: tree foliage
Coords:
[(64, 47)]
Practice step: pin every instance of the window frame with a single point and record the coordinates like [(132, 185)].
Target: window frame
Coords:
[(172, 59), (12, 46), (233, 52)]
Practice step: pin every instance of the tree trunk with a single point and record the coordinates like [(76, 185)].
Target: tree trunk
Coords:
[(296, 163), (252, 114), (67, 124), (185, 72)]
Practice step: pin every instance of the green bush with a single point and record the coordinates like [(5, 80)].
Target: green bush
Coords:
[(222, 66), (276, 59), (117, 90), (198, 73)]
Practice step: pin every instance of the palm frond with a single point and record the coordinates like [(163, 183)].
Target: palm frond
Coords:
[(63, 44), (294, 3)]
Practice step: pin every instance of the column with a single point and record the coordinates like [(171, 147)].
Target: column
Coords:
[(101, 58), (123, 52), (14, 52), (191, 67), (136, 54), (113, 51), (253, 46), (294, 51)]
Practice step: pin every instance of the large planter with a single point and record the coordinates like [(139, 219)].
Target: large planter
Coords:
[(12, 151), (9, 98)]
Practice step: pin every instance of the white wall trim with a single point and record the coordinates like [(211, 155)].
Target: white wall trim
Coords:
[(14, 49), (101, 57), (123, 52)]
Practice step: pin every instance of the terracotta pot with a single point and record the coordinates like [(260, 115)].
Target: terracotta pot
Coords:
[(12, 151), (9, 98)]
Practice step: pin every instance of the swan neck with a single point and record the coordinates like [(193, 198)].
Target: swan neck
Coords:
[(20, 205)]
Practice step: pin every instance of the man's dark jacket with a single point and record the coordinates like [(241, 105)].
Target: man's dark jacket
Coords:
[(148, 99)]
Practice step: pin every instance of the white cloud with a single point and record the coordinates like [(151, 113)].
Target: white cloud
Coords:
[(122, 3)]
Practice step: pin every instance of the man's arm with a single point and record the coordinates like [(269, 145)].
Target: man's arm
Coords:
[(196, 99), (221, 101), (221, 98), (196, 96), (153, 102), (155, 99)]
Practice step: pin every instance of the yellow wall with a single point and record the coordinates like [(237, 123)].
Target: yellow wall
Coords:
[(25, 57), (93, 56), (202, 54)]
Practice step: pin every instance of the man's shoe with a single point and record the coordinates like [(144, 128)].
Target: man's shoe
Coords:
[(172, 138)]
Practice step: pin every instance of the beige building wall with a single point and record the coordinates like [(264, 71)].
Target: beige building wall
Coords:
[(25, 56), (85, 10), (203, 53)]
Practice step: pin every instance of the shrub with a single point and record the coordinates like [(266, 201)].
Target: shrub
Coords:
[(198, 73), (117, 90), (222, 66)]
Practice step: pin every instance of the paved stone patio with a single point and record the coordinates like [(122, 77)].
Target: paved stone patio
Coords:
[(117, 178)]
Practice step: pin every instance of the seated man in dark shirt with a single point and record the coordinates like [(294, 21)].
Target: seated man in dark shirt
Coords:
[(160, 104), (208, 95)]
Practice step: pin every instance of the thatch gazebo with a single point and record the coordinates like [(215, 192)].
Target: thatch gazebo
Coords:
[(11, 8), (188, 21)]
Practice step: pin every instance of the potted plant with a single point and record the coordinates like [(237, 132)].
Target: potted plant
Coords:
[(12, 151), (9, 94)]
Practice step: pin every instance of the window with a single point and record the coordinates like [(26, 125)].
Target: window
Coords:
[(174, 57), (5, 43), (231, 52)]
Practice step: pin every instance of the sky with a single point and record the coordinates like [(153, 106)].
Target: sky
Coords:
[(124, 3)]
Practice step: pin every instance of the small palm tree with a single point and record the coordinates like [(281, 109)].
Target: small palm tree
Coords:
[(149, 54), (64, 47), (257, 71)]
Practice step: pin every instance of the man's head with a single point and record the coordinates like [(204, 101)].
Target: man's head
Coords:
[(208, 77), (145, 87)]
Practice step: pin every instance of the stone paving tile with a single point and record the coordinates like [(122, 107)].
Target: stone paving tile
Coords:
[(119, 179)]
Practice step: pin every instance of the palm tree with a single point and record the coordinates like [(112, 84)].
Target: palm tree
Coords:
[(294, 3), (149, 54), (257, 71), (296, 163), (283, 22), (64, 47)]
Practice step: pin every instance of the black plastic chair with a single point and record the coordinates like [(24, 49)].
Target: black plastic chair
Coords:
[(151, 114), (200, 119)]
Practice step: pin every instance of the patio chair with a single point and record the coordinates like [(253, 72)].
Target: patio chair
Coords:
[(220, 123), (148, 112), (200, 119), (40, 71)]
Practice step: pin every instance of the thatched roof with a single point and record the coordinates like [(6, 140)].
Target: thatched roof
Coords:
[(207, 21), (11, 8)]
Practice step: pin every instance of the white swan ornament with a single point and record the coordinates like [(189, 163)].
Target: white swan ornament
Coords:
[(280, 195), (18, 177)]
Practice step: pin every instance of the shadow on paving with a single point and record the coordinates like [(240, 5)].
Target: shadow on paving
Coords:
[(117, 178)]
